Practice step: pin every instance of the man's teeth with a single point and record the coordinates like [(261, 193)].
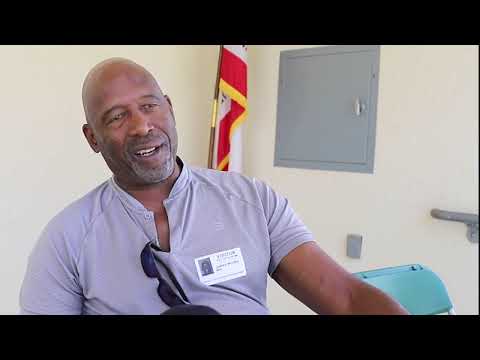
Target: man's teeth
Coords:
[(145, 152)]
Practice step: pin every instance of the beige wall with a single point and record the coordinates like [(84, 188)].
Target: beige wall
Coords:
[(426, 157), (427, 154)]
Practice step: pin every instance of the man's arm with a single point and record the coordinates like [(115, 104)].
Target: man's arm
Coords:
[(315, 279), (50, 286)]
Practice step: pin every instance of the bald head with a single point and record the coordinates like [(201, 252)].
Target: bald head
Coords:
[(103, 76)]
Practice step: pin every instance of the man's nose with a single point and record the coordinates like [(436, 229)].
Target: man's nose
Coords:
[(140, 124)]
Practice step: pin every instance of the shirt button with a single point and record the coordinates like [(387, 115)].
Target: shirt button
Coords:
[(147, 216)]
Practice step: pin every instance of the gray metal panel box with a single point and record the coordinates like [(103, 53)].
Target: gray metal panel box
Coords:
[(327, 106)]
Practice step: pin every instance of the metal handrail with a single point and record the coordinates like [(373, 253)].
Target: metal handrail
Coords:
[(471, 220)]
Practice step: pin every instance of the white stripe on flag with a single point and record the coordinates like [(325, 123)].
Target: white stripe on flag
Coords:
[(239, 50), (235, 163), (224, 106)]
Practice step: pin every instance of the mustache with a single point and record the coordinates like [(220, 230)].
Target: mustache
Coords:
[(158, 137)]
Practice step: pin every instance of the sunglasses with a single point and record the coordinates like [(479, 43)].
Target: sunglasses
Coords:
[(165, 292)]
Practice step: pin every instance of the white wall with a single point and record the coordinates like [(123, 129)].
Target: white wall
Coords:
[(427, 154), (46, 163), (426, 157)]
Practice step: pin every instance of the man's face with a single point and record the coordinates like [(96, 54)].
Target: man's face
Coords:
[(133, 128)]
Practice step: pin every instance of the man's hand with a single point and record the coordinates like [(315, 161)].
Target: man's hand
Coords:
[(315, 279)]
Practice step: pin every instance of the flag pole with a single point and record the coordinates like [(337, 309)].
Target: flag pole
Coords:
[(214, 113)]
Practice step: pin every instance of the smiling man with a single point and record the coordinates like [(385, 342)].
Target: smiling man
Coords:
[(160, 235)]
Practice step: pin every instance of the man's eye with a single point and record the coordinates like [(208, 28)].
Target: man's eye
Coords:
[(149, 107), (116, 118)]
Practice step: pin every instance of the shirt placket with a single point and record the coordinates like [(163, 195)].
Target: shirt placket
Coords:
[(172, 223), (148, 220)]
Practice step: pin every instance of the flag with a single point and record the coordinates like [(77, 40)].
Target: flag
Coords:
[(232, 108)]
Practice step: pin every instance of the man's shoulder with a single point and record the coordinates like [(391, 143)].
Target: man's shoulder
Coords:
[(227, 180), (78, 216), (246, 188), (64, 234)]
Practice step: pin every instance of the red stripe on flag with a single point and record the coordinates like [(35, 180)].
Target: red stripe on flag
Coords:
[(234, 71), (223, 148)]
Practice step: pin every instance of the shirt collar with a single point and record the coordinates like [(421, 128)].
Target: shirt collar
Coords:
[(178, 187)]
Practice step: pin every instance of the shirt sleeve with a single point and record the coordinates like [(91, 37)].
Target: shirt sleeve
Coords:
[(285, 228), (50, 285)]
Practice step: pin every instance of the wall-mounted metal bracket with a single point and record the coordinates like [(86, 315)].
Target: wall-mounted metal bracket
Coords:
[(471, 220)]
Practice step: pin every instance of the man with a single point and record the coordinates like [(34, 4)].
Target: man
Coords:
[(139, 243)]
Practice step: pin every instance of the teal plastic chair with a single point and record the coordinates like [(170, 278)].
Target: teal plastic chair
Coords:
[(416, 287)]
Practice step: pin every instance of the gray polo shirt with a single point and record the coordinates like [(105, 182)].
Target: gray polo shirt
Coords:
[(227, 233)]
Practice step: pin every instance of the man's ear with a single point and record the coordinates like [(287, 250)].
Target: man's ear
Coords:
[(168, 100), (90, 136)]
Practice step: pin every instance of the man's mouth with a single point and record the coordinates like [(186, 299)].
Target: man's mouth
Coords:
[(147, 152)]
